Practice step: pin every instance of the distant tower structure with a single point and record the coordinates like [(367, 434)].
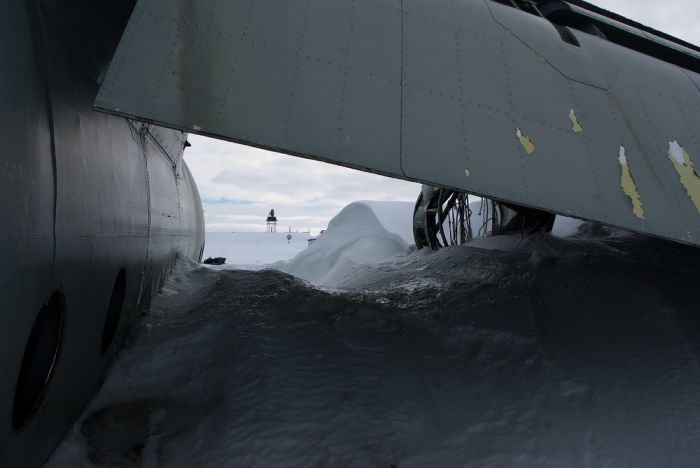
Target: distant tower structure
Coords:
[(272, 222)]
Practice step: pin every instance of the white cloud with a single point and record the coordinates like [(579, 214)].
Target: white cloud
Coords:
[(680, 18), (240, 184)]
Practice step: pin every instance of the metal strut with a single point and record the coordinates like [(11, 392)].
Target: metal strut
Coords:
[(443, 217)]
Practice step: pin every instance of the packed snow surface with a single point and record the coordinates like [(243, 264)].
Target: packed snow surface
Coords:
[(553, 352), (254, 250)]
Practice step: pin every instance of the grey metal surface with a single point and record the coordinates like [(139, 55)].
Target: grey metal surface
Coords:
[(85, 195), (426, 91)]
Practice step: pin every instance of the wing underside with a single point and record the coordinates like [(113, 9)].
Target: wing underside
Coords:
[(468, 94)]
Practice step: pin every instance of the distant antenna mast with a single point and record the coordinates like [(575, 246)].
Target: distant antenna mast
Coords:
[(272, 222)]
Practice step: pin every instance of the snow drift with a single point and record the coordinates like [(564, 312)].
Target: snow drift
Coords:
[(367, 233), (363, 233), (577, 351)]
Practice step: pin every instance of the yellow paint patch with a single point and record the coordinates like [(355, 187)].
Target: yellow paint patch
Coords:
[(684, 167), (525, 141), (629, 186), (575, 124)]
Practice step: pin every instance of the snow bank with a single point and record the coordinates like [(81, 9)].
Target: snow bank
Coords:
[(367, 233), (565, 226), (363, 233), (394, 217), (561, 352)]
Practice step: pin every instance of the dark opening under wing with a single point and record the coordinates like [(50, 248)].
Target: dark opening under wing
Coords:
[(473, 95)]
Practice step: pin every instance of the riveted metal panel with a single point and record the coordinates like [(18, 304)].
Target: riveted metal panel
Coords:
[(467, 94), (656, 116), (270, 80)]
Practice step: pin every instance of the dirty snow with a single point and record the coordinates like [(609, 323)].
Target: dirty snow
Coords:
[(579, 350)]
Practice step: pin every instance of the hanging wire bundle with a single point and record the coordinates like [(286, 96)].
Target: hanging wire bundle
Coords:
[(443, 217), (455, 209)]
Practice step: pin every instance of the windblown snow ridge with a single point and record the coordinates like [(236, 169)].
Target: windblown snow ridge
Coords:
[(363, 233), (562, 352)]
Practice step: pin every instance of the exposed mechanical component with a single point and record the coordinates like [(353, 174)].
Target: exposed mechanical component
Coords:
[(443, 217)]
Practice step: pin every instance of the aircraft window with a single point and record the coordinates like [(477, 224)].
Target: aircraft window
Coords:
[(114, 311), (39, 361)]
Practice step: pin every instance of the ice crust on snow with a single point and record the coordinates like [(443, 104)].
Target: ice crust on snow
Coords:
[(575, 351)]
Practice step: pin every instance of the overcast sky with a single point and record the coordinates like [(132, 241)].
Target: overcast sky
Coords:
[(240, 184)]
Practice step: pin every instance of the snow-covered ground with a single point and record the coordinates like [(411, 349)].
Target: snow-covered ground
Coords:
[(254, 250), (579, 350)]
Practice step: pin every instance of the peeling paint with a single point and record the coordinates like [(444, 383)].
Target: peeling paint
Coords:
[(629, 187), (575, 124), (676, 152), (525, 141), (686, 171), (467, 173)]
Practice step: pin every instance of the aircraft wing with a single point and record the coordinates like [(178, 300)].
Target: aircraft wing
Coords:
[(473, 95)]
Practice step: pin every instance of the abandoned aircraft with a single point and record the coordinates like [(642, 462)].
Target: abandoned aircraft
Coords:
[(543, 106)]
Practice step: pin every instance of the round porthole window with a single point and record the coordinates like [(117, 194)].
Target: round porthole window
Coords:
[(114, 310), (39, 361)]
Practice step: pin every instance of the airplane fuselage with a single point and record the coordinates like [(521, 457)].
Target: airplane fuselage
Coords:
[(95, 211)]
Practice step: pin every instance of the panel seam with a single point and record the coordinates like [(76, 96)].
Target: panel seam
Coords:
[(37, 26), (402, 83)]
